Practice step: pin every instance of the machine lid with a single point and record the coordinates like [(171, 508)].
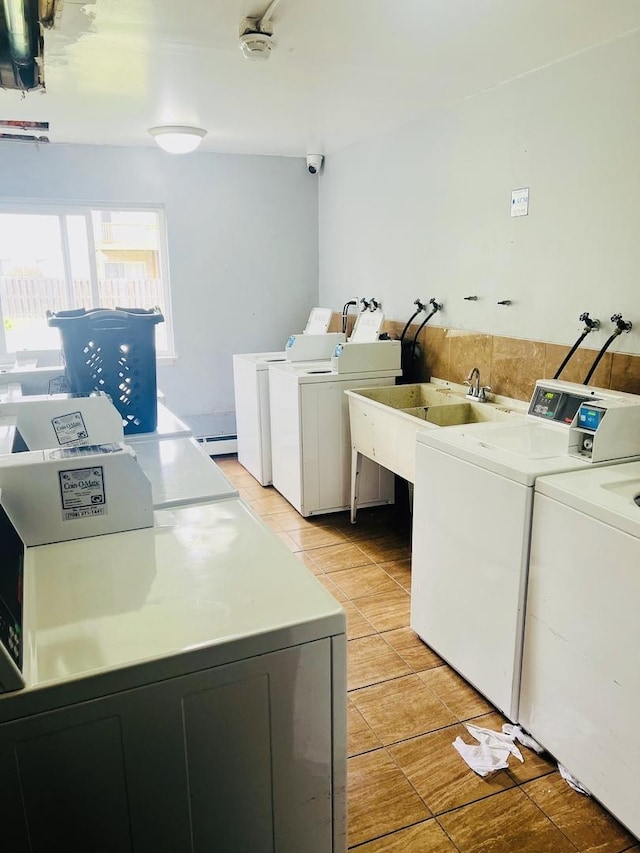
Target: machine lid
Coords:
[(608, 493), (327, 374), (209, 584), (518, 451), (181, 473), (261, 360)]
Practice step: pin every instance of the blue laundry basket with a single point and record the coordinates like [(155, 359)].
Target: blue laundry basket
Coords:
[(113, 351)]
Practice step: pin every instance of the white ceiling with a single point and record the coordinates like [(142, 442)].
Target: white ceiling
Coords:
[(342, 70)]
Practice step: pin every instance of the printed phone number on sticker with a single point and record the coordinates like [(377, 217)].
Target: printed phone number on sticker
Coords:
[(83, 512)]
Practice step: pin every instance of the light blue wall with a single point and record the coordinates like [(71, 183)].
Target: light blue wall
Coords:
[(425, 211), (243, 246)]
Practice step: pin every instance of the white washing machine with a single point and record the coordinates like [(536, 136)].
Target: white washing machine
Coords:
[(473, 502), (180, 472), (580, 675), (177, 688), (251, 389), (310, 433)]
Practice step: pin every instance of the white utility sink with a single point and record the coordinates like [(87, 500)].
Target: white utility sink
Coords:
[(384, 421), (453, 414)]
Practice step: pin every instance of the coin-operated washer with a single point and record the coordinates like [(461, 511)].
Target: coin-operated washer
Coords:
[(63, 420), (473, 508), (310, 432), (181, 693), (251, 389), (580, 676)]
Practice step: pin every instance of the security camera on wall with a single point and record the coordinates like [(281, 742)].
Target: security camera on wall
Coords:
[(314, 163)]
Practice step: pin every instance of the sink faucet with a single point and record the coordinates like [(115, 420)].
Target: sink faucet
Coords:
[(476, 391), (473, 381)]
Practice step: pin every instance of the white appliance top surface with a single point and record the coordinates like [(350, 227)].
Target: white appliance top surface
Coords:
[(181, 472), (207, 576), (262, 360), (606, 493), (169, 426), (321, 371), (518, 451)]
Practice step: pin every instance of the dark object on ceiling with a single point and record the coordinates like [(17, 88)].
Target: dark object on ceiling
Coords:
[(21, 45)]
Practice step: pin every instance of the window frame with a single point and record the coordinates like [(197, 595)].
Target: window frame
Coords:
[(51, 207)]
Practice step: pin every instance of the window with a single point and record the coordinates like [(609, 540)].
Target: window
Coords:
[(61, 257)]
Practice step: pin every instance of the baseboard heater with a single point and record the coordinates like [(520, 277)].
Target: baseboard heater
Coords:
[(219, 445), (216, 432)]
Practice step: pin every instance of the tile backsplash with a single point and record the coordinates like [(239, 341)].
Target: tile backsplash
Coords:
[(510, 366)]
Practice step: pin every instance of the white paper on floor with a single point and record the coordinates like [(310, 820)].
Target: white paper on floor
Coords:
[(492, 753), (522, 737), (571, 780)]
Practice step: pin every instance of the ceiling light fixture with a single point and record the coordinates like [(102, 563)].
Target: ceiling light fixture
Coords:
[(177, 138)]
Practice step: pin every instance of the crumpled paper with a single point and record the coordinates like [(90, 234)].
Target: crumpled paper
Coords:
[(571, 780), (522, 737), (491, 754)]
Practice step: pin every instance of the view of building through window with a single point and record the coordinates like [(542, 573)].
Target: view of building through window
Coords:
[(86, 258)]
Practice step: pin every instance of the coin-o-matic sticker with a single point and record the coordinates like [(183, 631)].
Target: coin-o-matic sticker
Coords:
[(69, 428), (82, 492)]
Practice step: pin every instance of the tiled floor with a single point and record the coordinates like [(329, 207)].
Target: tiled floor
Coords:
[(408, 788)]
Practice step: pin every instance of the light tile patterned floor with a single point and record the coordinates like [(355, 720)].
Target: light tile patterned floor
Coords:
[(409, 791)]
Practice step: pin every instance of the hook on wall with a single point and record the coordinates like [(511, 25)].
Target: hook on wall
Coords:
[(504, 302), (470, 298)]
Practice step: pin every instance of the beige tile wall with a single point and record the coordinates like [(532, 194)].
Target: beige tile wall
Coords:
[(510, 365)]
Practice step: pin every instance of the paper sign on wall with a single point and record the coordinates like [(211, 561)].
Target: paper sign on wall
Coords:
[(520, 202)]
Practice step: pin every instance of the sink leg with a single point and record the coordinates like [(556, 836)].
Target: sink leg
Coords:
[(356, 462)]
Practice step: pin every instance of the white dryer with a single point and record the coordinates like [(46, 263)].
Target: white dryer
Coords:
[(473, 503), (580, 675), (176, 688), (251, 390)]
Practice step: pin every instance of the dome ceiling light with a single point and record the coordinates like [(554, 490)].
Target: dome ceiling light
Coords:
[(178, 138)]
